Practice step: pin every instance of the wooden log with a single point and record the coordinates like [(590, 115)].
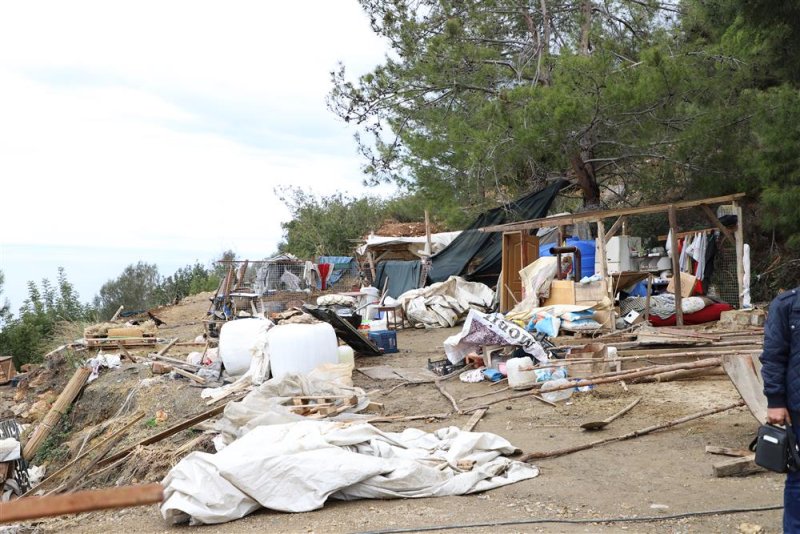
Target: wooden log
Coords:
[(28, 508), (175, 361), (59, 408), (630, 435), (470, 397), (396, 418), (727, 451), (737, 467), (710, 362), (127, 354), (190, 376), (448, 396), (169, 346), (473, 421), (116, 314), (680, 375)]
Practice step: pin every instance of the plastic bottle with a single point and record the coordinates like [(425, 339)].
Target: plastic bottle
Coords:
[(346, 355), (521, 374), (556, 396)]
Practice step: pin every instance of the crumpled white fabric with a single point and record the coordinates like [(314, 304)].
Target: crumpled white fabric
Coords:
[(443, 304), (110, 361), (296, 467)]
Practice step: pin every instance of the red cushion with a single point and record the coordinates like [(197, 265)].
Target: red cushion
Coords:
[(706, 315)]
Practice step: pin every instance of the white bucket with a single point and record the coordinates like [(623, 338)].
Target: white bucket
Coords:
[(346, 355), (299, 348), (521, 374)]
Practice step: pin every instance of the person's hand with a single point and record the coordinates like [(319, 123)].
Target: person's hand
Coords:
[(778, 416)]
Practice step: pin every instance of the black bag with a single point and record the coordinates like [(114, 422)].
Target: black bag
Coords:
[(776, 449)]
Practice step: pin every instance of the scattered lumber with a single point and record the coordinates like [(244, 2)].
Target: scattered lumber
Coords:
[(82, 501), (473, 421), (164, 350), (59, 408), (322, 406), (630, 435), (174, 429), (396, 418), (737, 467), (101, 453), (709, 362)]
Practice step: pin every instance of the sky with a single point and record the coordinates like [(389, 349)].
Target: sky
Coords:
[(158, 131)]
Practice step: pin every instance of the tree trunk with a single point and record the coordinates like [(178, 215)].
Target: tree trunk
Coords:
[(586, 26), (587, 181)]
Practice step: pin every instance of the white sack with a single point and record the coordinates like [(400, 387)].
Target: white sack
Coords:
[(490, 329), (296, 467), (443, 304)]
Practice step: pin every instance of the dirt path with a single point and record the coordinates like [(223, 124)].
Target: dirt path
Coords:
[(656, 475)]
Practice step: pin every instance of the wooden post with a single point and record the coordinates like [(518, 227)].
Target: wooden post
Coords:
[(647, 298), (676, 269), (601, 251), (739, 236), (428, 245)]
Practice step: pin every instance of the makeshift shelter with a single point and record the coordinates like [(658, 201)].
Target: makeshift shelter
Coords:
[(477, 255), (343, 268), (615, 280)]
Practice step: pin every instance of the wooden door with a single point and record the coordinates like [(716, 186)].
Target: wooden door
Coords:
[(519, 250)]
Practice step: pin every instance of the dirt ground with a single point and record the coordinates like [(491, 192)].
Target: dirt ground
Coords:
[(661, 474)]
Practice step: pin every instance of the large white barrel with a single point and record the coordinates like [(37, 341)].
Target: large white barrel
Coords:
[(299, 348), (239, 341)]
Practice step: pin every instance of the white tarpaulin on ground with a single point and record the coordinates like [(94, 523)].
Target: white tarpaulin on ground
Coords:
[(490, 329), (443, 304), (296, 467), (269, 403)]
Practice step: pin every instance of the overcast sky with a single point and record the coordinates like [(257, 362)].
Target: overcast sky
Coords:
[(157, 131)]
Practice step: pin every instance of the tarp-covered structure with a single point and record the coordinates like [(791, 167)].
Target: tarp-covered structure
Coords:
[(477, 255)]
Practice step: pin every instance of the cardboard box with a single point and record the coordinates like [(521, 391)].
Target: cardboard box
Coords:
[(594, 351), (561, 292), (591, 293), (687, 284)]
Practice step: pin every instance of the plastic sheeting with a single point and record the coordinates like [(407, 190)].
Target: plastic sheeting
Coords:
[(490, 329), (445, 303), (402, 275), (477, 255), (296, 467)]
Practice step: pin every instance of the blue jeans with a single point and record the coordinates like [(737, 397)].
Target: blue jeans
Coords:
[(791, 492)]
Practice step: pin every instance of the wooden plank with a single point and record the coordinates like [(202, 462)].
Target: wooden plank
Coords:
[(711, 216), (82, 501), (593, 216), (737, 467), (748, 382), (473, 421), (727, 451), (614, 228), (676, 270), (164, 350)]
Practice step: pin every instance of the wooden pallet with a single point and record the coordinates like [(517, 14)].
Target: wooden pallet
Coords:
[(321, 406)]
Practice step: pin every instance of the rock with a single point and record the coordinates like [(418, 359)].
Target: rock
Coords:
[(739, 318), (39, 409), (19, 409)]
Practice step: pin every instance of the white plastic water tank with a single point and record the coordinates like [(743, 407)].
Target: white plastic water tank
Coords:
[(299, 348), (239, 341), (521, 374)]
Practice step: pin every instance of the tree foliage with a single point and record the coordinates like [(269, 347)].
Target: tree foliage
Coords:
[(26, 336)]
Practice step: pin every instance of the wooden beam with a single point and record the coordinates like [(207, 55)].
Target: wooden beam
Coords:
[(737, 467), (711, 216), (429, 245), (676, 269), (593, 216), (473, 421), (82, 501), (601, 243), (614, 228)]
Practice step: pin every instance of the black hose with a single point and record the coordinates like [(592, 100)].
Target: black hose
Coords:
[(642, 519)]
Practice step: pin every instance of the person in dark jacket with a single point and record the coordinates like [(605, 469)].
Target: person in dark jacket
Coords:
[(780, 368)]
